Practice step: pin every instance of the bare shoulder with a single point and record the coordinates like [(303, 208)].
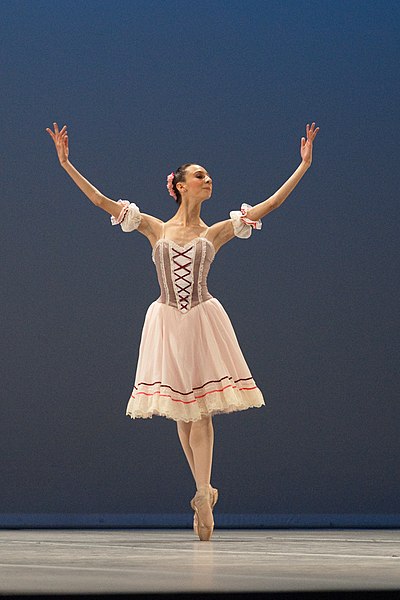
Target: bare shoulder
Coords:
[(220, 233)]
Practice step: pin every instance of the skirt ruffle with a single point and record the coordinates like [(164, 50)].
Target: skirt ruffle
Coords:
[(190, 365)]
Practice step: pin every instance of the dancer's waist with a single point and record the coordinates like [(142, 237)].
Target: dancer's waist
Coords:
[(184, 304)]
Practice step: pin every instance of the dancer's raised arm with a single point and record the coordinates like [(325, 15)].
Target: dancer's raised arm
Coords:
[(242, 222), (263, 208), (60, 139), (149, 225)]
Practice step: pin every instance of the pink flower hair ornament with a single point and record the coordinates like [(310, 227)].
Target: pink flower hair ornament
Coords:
[(170, 179)]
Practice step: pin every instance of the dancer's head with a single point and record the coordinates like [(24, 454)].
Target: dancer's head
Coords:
[(193, 180)]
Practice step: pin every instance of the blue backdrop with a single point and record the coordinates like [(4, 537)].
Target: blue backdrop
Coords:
[(143, 87)]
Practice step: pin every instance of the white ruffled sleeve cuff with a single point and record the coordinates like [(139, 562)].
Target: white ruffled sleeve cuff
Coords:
[(129, 218), (242, 225)]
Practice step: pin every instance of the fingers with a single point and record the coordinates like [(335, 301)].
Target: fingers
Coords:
[(57, 134), (311, 132), (50, 132)]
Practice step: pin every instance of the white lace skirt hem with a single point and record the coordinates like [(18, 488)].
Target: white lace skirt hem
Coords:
[(225, 398)]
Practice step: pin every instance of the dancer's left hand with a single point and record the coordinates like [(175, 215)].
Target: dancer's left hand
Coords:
[(306, 146)]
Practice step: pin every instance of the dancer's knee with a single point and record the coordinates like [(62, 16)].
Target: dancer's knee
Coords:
[(203, 423), (201, 429), (183, 427)]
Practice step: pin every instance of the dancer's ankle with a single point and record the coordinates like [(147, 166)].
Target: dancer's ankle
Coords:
[(203, 486)]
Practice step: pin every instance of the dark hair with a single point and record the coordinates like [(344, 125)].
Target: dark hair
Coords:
[(180, 175)]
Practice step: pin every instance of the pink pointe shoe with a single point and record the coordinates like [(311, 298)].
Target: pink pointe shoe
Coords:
[(198, 504)]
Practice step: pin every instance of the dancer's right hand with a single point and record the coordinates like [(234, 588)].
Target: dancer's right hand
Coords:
[(60, 139)]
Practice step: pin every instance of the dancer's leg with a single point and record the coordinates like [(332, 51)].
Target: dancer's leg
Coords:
[(183, 434), (201, 440)]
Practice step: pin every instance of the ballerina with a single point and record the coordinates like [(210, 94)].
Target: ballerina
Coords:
[(190, 365)]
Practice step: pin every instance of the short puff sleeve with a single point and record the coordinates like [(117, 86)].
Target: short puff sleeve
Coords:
[(129, 218), (243, 225)]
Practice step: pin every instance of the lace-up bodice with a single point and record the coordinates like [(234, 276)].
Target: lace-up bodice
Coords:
[(182, 271)]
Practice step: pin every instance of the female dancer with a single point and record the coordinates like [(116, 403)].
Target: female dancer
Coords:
[(190, 365)]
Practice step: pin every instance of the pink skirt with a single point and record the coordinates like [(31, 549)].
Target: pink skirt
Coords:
[(190, 365)]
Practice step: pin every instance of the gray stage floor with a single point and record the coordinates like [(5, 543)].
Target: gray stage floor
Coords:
[(138, 560)]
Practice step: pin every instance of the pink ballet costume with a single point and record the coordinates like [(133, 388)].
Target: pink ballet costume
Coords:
[(190, 364)]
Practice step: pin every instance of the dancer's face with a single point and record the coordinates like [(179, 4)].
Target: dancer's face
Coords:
[(197, 184)]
